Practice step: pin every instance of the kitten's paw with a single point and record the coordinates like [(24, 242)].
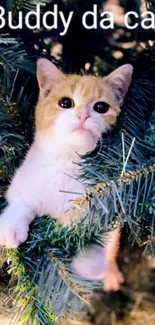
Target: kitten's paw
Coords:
[(112, 278), (13, 233), (92, 265)]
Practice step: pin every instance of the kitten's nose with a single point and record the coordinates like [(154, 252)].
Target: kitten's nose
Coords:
[(82, 117)]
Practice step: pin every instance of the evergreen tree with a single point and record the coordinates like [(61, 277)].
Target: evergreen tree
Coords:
[(120, 171)]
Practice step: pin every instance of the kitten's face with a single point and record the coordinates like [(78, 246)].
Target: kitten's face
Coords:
[(76, 110)]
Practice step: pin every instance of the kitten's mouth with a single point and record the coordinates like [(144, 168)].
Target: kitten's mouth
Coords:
[(82, 130)]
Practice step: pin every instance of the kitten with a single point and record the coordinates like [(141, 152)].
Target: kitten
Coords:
[(71, 114)]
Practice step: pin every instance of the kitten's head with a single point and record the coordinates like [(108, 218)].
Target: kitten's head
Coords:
[(75, 110)]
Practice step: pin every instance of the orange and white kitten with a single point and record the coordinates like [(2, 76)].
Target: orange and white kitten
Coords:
[(71, 115)]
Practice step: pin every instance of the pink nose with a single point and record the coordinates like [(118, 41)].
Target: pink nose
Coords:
[(82, 117)]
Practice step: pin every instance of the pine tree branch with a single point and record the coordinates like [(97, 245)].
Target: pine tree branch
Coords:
[(43, 262)]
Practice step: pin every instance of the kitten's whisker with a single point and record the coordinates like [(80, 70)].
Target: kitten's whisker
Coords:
[(75, 178), (128, 156), (70, 192)]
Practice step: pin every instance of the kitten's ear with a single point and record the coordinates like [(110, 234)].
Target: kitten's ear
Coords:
[(119, 81), (47, 74)]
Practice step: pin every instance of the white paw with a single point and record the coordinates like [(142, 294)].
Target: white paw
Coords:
[(92, 265), (112, 278), (12, 232)]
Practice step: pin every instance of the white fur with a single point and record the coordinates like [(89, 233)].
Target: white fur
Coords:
[(48, 169), (68, 132), (36, 188)]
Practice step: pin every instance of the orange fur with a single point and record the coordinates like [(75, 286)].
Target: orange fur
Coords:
[(90, 89)]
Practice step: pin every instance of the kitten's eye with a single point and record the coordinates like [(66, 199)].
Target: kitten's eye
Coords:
[(66, 102), (101, 107)]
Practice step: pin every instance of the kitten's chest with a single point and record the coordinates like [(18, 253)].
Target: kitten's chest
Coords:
[(47, 185), (59, 187)]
